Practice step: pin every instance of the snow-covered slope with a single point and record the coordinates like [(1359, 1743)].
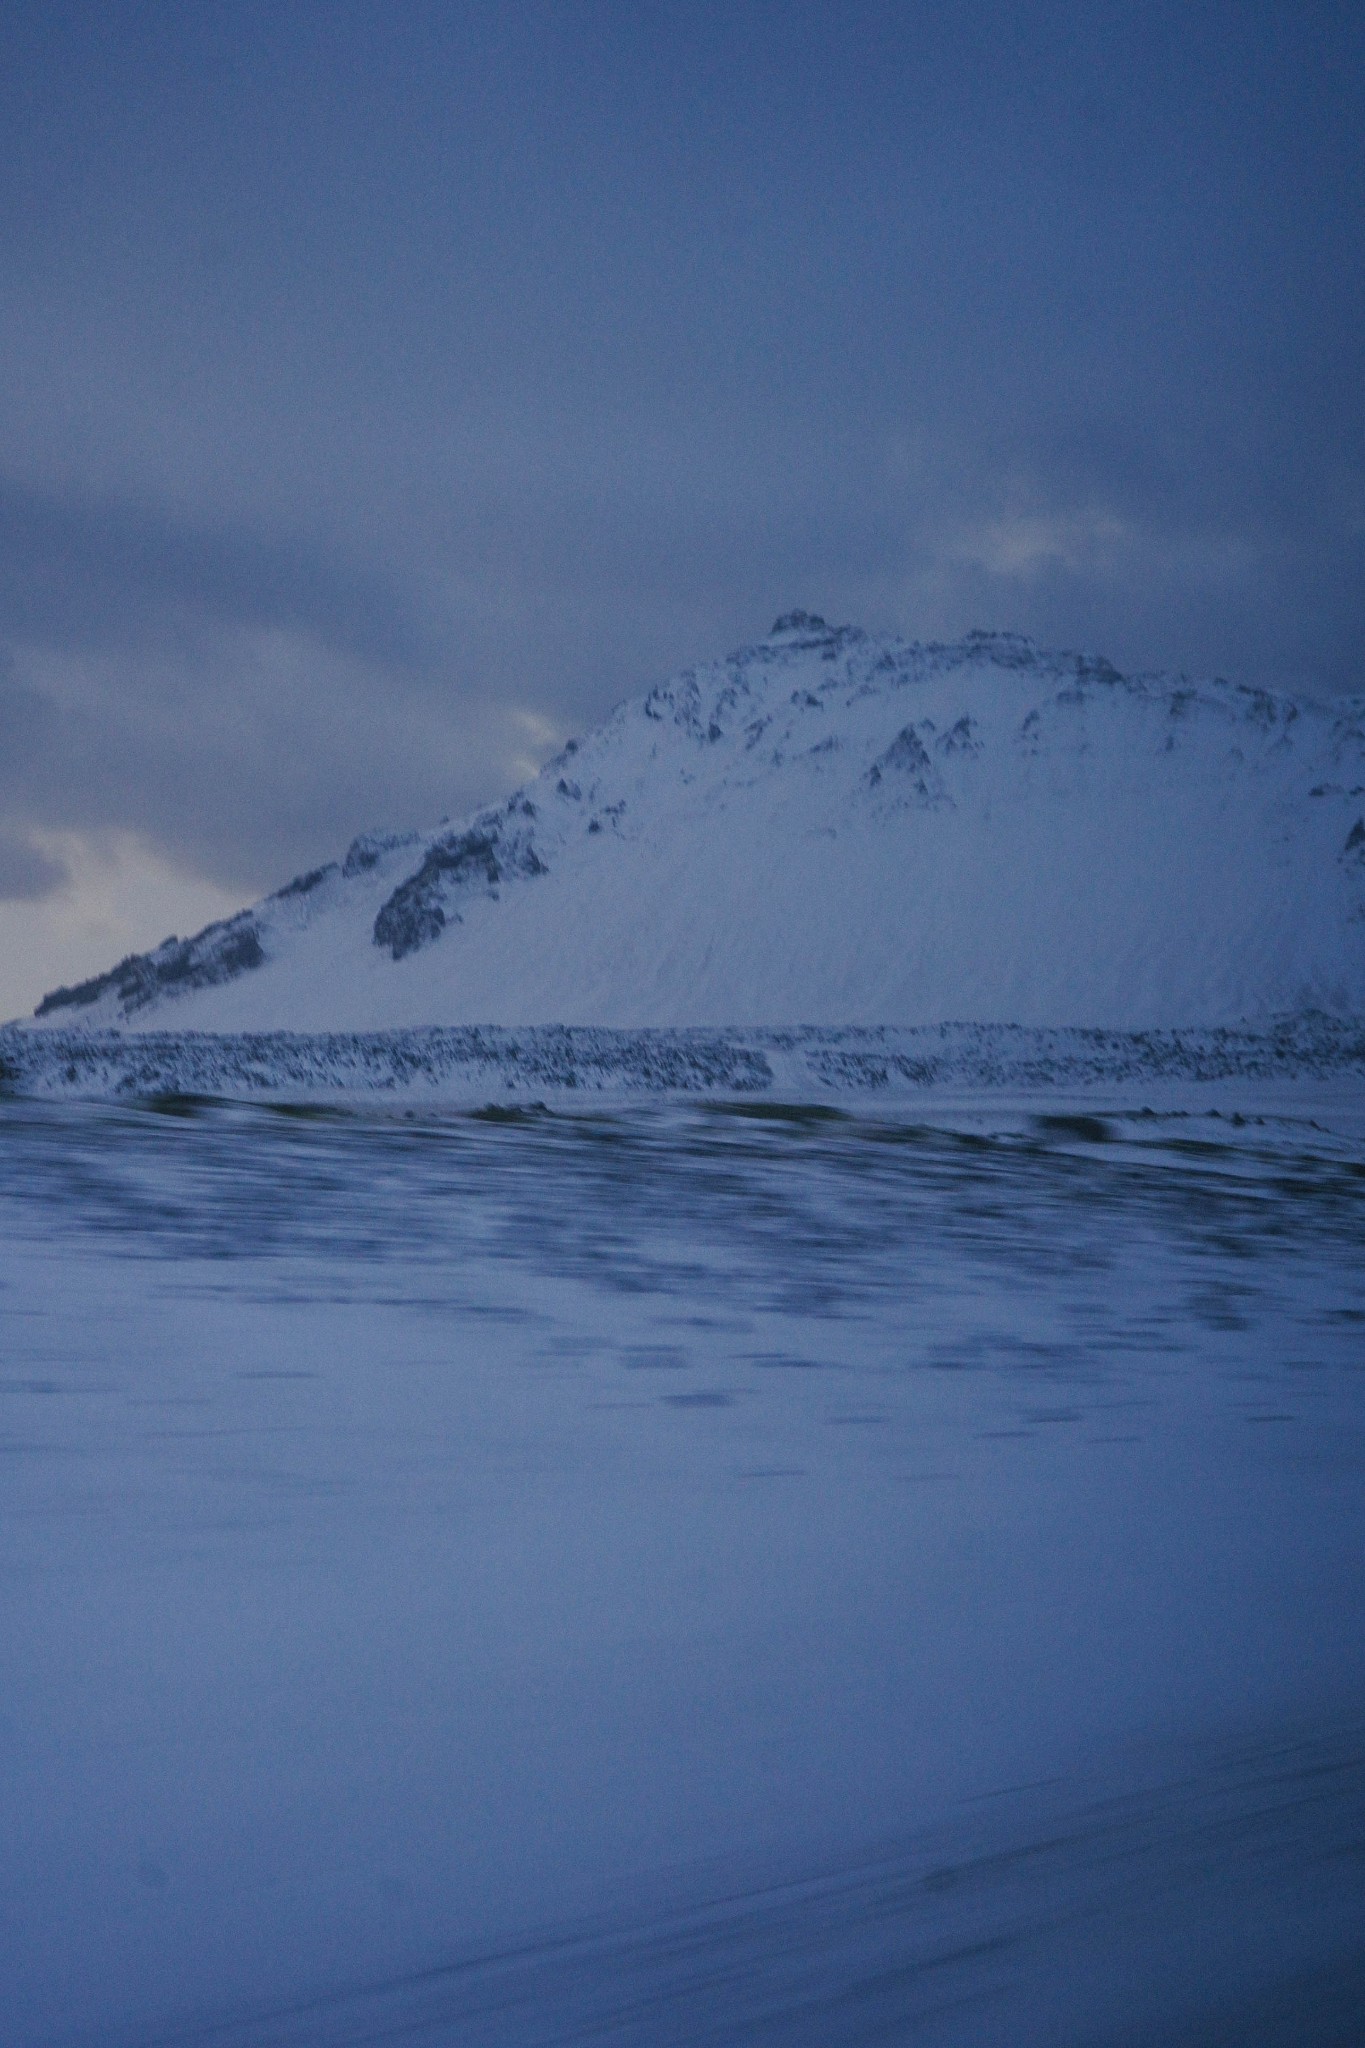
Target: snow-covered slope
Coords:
[(833, 828)]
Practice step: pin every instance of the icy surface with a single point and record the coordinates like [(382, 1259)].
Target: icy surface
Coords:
[(829, 829), (672, 1574)]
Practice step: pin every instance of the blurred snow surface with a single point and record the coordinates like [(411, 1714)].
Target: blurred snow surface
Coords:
[(732, 1573)]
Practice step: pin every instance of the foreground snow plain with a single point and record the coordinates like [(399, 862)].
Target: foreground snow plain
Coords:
[(677, 1571)]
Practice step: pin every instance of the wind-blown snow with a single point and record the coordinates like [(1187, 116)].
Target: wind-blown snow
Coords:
[(831, 828)]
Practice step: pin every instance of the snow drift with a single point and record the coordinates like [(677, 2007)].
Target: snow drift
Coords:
[(837, 829)]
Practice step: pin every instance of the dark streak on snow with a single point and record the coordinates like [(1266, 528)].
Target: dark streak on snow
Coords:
[(220, 953), (419, 909)]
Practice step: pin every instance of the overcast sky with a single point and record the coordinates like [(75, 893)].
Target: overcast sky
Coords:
[(389, 389)]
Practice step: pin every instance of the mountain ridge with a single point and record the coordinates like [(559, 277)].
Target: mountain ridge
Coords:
[(832, 827)]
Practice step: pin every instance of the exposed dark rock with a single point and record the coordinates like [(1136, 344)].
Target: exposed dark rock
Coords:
[(219, 953), (1093, 668), (419, 909), (1006, 650), (906, 761), (304, 885), (1258, 706), (368, 849), (960, 738)]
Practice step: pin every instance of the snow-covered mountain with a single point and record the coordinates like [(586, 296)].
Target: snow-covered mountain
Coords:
[(833, 828)]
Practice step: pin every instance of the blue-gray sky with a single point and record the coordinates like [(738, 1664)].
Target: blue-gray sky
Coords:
[(390, 388)]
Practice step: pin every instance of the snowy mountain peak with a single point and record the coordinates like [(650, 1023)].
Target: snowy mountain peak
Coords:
[(832, 827), (801, 626)]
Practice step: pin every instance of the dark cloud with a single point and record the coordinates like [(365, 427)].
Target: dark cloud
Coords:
[(27, 874), (235, 697), (81, 572)]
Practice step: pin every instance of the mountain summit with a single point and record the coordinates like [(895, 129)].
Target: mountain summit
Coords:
[(835, 828)]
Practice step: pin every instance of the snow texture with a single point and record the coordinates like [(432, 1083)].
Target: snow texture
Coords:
[(472, 1064), (682, 1575), (834, 829)]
